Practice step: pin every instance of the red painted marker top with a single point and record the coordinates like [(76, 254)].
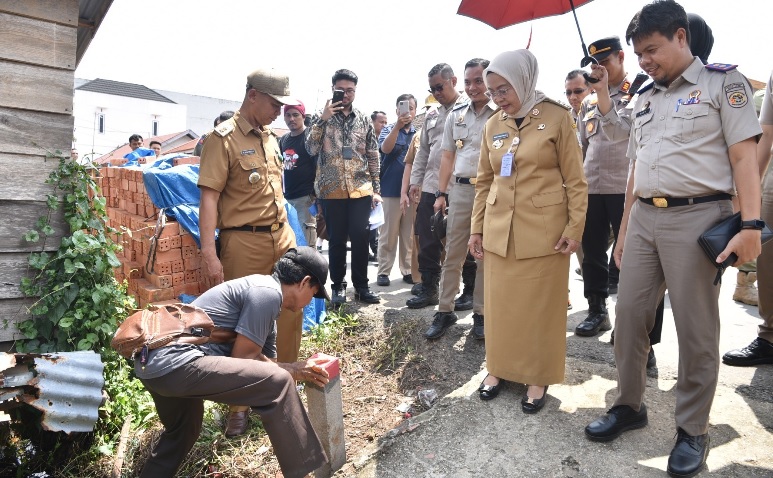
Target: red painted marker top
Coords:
[(331, 364)]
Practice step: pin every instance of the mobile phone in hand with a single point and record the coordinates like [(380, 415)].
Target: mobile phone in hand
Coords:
[(403, 107), (338, 95)]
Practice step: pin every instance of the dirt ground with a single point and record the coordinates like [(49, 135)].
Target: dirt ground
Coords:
[(399, 375)]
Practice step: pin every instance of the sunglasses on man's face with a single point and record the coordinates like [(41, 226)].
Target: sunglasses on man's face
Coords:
[(437, 88), (576, 91)]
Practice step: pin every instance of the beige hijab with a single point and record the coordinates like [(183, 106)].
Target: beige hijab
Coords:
[(519, 68)]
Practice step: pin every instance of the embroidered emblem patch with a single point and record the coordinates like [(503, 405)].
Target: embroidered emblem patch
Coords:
[(736, 95)]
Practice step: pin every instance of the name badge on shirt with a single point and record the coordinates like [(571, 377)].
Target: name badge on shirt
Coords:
[(507, 165), (246, 152), (347, 152)]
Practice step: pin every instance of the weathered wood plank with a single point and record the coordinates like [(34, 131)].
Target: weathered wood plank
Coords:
[(13, 266), (31, 132), (37, 42), (24, 177), (60, 11), (36, 88), (20, 217), (12, 311)]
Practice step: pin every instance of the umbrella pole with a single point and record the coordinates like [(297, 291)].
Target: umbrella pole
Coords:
[(584, 48)]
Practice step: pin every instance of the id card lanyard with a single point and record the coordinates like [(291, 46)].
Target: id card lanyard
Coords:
[(508, 159)]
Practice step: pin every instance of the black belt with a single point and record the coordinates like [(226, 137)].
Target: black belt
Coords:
[(673, 202), (271, 228), (467, 180)]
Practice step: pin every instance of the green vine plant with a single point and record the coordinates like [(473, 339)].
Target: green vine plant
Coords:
[(78, 301)]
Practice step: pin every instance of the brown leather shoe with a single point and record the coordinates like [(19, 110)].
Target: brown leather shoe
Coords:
[(237, 423)]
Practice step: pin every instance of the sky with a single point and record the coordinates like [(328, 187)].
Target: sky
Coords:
[(208, 48)]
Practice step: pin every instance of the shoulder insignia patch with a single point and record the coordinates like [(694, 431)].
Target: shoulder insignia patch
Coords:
[(721, 67), (224, 129), (554, 102), (736, 95), (646, 87), (458, 107)]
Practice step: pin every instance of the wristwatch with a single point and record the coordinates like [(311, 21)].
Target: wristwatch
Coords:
[(757, 224), (445, 195)]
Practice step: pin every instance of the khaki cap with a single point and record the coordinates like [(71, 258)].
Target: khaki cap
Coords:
[(272, 83)]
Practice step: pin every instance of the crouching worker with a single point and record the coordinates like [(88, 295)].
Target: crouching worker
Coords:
[(181, 376)]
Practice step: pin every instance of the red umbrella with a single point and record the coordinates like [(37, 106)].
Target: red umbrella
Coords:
[(503, 13)]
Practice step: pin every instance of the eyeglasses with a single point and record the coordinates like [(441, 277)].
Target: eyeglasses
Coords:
[(576, 91), (349, 91), (437, 88), (500, 93)]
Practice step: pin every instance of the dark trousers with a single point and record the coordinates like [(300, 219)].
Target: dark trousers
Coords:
[(430, 248), (348, 218), (603, 210), (267, 388), (373, 241)]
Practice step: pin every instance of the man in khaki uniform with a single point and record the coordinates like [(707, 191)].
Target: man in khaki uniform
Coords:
[(424, 181), (461, 154), (241, 194), (760, 351), (693, 135)]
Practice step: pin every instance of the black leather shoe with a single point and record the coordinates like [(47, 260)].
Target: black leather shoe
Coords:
[(477, 327), (417, 288), (688, 455), (441, 323), (617, 420), (759, 352), (339, 296), (533, 405), (372, 258), (578, 271), (612, 289), (652, 362), (594, 324), (463, 302), (490, 392), (383, 280), (408, 279), (363, 294)]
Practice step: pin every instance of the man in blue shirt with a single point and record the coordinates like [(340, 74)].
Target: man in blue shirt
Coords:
[(393, 143)]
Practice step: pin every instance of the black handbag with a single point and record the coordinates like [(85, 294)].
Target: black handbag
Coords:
[(715, 240)]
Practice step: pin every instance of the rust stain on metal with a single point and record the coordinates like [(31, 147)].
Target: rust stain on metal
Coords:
[(65, 386)]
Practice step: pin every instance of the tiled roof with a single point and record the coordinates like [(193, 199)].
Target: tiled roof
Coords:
[(164, 139), (119, 88), (187, 147)]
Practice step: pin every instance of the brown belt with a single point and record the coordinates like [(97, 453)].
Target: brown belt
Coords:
[(674, 202), (270, 228)]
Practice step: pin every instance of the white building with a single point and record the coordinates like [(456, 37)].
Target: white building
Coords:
[(108, 112)]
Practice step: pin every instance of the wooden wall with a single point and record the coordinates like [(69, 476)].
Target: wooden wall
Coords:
[(38, 44)]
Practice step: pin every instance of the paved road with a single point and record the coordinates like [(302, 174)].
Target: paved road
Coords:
[(465, 437)]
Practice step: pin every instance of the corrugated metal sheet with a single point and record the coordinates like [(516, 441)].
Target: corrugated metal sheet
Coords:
[(65, 386)]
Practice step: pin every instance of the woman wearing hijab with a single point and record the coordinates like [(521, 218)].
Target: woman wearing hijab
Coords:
[(701, 38), (528, 218)]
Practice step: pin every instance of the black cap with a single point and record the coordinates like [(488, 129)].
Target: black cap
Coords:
[(314, 263), (601, 49)]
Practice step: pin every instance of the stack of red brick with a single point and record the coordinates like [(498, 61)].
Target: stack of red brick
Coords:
[(175, 267)]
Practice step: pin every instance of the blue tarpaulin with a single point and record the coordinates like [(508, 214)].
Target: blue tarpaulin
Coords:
[(174, 190)]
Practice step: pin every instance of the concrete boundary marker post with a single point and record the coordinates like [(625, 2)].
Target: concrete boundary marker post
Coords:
[(327, 416)]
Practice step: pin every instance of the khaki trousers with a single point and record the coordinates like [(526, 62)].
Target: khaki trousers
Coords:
[(661, 247), (461, 198), (396, 228), (244, 253), (765, 264)]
